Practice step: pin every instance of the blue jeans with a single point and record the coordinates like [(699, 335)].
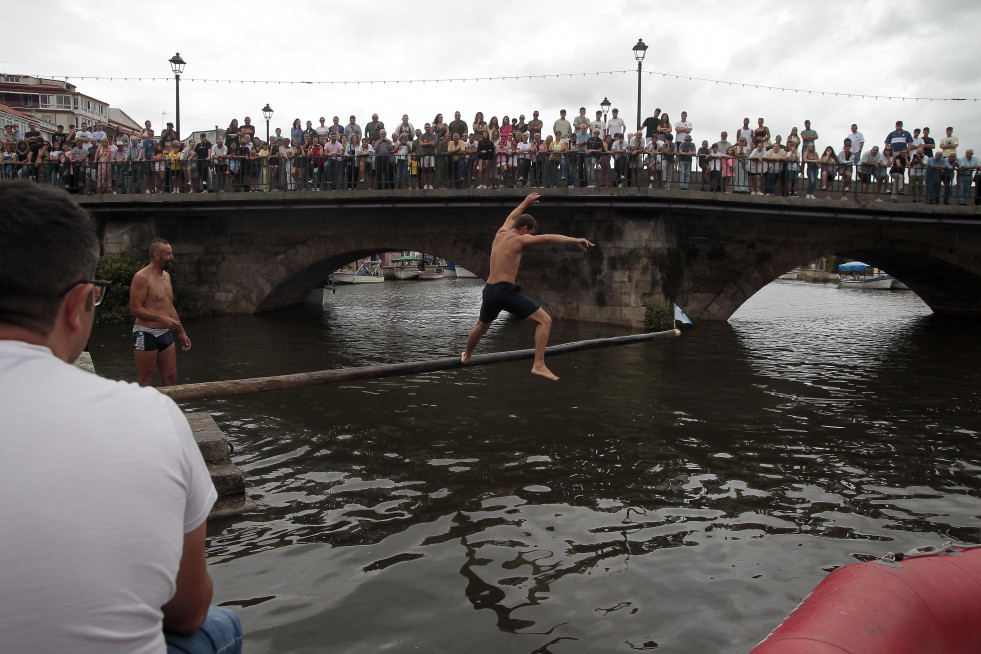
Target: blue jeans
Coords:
[(933, 186), (221, 633), (684, 171), (963, 189), (461, 167), (560, 169), (402, 173), (121, 176), (813, 170)]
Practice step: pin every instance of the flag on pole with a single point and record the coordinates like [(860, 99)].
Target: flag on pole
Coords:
[(680, 316)]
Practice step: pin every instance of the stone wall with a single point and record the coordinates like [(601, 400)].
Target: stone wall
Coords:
[(706, 252)]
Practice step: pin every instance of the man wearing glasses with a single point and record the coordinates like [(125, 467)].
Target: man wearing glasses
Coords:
[(105, 492), (151, 301)]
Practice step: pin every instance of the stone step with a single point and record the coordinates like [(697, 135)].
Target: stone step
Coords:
[(212, 442), (228, 479)]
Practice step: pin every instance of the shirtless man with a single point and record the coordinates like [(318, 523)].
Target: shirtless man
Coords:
[(151, 301), (517, 233)]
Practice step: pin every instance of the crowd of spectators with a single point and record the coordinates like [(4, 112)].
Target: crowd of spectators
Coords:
[(583, 152)]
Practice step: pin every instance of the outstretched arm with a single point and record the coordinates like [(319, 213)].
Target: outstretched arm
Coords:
[(559, 239), (520, 209)]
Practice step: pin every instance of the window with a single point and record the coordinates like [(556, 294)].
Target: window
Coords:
[(45, 101), (64, 101), (11, 79)]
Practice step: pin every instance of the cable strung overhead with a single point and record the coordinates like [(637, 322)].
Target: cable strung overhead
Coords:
[(435, 80)]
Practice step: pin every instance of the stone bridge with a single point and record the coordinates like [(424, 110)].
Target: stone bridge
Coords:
[(252, 252)]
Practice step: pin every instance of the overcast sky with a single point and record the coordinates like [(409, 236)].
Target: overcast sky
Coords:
[(898, 48)]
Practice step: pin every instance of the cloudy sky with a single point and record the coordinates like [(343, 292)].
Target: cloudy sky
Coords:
[(311, 58)]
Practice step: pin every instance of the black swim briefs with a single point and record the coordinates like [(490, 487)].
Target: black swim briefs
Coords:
[(505, 296), (148, 339)]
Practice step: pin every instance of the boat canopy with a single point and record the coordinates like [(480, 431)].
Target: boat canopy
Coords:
[(853, 266), (404, 259)]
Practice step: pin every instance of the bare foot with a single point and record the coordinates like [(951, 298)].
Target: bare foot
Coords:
[(465, 358), (544, 372)]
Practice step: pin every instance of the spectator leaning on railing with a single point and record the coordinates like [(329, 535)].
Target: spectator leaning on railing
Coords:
[(338, 156)]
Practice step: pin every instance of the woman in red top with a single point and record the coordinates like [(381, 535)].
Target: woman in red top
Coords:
[(315, 162)]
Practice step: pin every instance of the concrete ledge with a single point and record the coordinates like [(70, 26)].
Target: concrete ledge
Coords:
[(211, 441), (84, 361), (225, 475), (227, 479)]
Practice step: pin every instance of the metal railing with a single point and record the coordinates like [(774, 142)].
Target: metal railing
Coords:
[(505, 169)]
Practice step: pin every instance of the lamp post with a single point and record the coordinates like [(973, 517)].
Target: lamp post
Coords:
[(267, 113), (639, 51), (605, 106), (177, 65)]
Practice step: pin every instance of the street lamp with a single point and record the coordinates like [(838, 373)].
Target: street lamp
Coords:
[(605, 106), (267, 113), (177, 65), (639, 51)]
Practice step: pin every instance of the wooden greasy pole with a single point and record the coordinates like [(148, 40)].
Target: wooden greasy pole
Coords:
[(301, 379)]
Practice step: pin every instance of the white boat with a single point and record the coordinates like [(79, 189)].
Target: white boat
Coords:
[(405, 267), (430, 274), (369, 272), (881, 282), (463, 273), (792, 275), (863, 276), (405, 273)]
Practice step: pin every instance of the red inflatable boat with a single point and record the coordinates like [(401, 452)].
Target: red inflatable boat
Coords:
[(925, 602)]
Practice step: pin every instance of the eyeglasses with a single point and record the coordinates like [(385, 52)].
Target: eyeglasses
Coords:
[(98, 290)]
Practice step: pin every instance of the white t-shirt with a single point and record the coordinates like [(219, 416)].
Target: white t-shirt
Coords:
[(680, 135), (617, 126), (100, 481)]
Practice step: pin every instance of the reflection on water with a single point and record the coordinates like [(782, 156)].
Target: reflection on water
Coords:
[(681, 495)]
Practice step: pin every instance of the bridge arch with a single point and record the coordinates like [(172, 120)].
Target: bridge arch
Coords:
[(940, 276), (707, 252), (307, 266)]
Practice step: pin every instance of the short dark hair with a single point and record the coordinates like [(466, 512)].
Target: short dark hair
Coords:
[(525, 220), (47, 243), (156, 245)]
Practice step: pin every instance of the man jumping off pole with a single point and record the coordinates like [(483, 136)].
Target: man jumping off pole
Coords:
[(501, 293)]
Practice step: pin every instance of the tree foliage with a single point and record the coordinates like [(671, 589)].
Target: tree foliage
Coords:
[(657, 318)]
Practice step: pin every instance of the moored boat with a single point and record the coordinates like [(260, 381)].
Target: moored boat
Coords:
[(369, 272), (463, 273), (405, 267), (863, 276), (430, 274)]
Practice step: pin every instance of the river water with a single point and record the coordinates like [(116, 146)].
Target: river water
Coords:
[(681, 495)]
